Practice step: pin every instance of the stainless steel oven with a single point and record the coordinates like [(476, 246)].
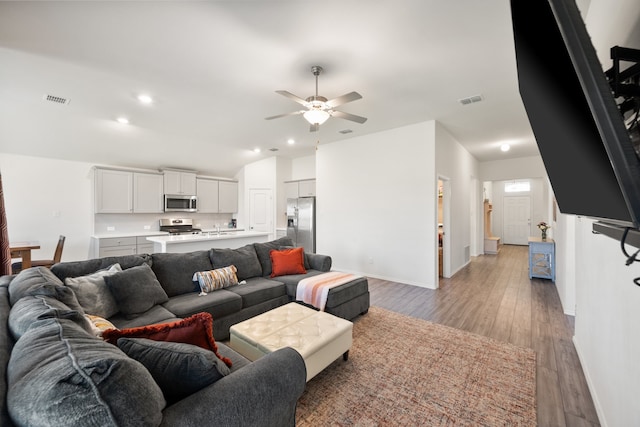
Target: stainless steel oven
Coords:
[(180, 203)]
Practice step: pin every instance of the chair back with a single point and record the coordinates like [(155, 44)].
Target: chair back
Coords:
[(57, 256)]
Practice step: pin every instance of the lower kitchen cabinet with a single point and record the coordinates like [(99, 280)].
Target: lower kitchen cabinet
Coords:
[(116, 246)]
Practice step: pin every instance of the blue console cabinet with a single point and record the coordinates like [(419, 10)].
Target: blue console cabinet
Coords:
[(542, 258)]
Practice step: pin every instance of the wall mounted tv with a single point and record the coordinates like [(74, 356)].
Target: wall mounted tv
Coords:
[(580, 131)]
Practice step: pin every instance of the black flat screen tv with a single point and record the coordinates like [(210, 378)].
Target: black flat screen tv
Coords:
[(581, 134)]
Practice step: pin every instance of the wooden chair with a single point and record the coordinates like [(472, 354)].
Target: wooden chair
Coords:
[(16, 267)]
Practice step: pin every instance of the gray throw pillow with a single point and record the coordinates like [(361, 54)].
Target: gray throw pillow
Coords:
[(92, 292), (245, 259), (179, 369), (136, 290)]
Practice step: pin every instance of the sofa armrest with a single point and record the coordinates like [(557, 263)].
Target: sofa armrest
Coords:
[(319, 262), (264, 393)]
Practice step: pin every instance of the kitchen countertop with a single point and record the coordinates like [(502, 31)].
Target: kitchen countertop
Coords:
[(227, 234), (117, 234), (204, 241)]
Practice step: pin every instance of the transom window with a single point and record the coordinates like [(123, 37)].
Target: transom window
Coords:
[(517, 186)]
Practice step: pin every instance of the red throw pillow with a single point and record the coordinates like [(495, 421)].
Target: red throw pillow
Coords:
[(287, 261), (196, 330)]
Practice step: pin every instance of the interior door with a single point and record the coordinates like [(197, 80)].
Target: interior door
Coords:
[(517, 220), (260, 210)]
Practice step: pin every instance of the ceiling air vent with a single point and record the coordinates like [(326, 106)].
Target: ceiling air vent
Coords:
[(273, 149), (470, 100), (345, 131), (56, 99)]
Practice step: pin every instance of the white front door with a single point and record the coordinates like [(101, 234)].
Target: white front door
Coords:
[(260, 210), (517, 220)]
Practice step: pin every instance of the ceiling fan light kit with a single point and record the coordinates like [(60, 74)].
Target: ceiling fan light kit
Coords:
[(318, 108)]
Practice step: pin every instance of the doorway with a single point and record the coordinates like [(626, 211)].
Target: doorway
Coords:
[(443, 202), (261, 210), (517, 220)]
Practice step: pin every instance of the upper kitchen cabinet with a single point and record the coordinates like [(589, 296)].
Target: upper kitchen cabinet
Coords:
[(227, 196), (302, 188), (113, 191), (178, 182), (121, 191), (207, 192), (148, 193)]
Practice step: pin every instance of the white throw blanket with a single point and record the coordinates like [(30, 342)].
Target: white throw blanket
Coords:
[(314, 290)]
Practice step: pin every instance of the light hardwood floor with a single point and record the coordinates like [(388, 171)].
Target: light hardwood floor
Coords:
[(493, 296)]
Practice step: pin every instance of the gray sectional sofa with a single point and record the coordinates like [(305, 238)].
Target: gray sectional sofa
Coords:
[(55, 371)]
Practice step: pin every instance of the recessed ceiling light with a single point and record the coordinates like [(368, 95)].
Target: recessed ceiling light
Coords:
[(256, 150), (145, 99), (290, 141), (123, 120), (505, 147)]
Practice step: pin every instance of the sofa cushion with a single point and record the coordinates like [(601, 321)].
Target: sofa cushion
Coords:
[(32, 308), (258, 290), (291, 281), (136, 290), (287, 261), (245, 259), (157, 314), (196, 330), (263, 249), (175, 271), (41, 281), (82, 268), (179, 369), (238, 361), (219, 278), (61, 375), (92, 292), (219, 303)]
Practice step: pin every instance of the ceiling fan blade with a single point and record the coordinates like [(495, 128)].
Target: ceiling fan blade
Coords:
[(314, 127), (352, 117), (295, 113), (348, 97), (292, 96)]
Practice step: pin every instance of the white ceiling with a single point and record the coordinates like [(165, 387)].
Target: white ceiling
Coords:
[(213, 68)]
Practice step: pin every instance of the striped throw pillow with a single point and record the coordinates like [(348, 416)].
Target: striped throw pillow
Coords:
[(219, 278)]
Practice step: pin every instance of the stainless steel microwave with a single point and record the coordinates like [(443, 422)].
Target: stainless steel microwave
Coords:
[(180, 203)]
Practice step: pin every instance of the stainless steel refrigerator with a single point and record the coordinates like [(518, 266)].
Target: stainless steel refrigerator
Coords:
[(301, 222)]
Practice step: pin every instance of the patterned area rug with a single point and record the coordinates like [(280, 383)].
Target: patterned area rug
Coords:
[(404, 371)]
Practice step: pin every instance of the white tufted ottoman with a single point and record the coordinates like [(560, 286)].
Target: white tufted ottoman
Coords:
[(318, 336)]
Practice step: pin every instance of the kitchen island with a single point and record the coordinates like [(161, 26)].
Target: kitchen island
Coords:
[(196, 242)]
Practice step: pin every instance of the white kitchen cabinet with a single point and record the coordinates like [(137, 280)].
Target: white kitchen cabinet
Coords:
[(148, 194), (307, 188), (291, 190), (302, 188), (116, 246), (176, 182), (113, 191), (207, 192), (227, 196)]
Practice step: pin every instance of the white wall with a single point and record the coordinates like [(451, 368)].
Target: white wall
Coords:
[(460, 167), (523, 167), (303, 168), (607, 301), (45, 198), (376, 199), (607, 320)]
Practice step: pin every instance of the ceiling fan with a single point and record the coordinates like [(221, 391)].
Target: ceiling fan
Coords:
[(318, 108)]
